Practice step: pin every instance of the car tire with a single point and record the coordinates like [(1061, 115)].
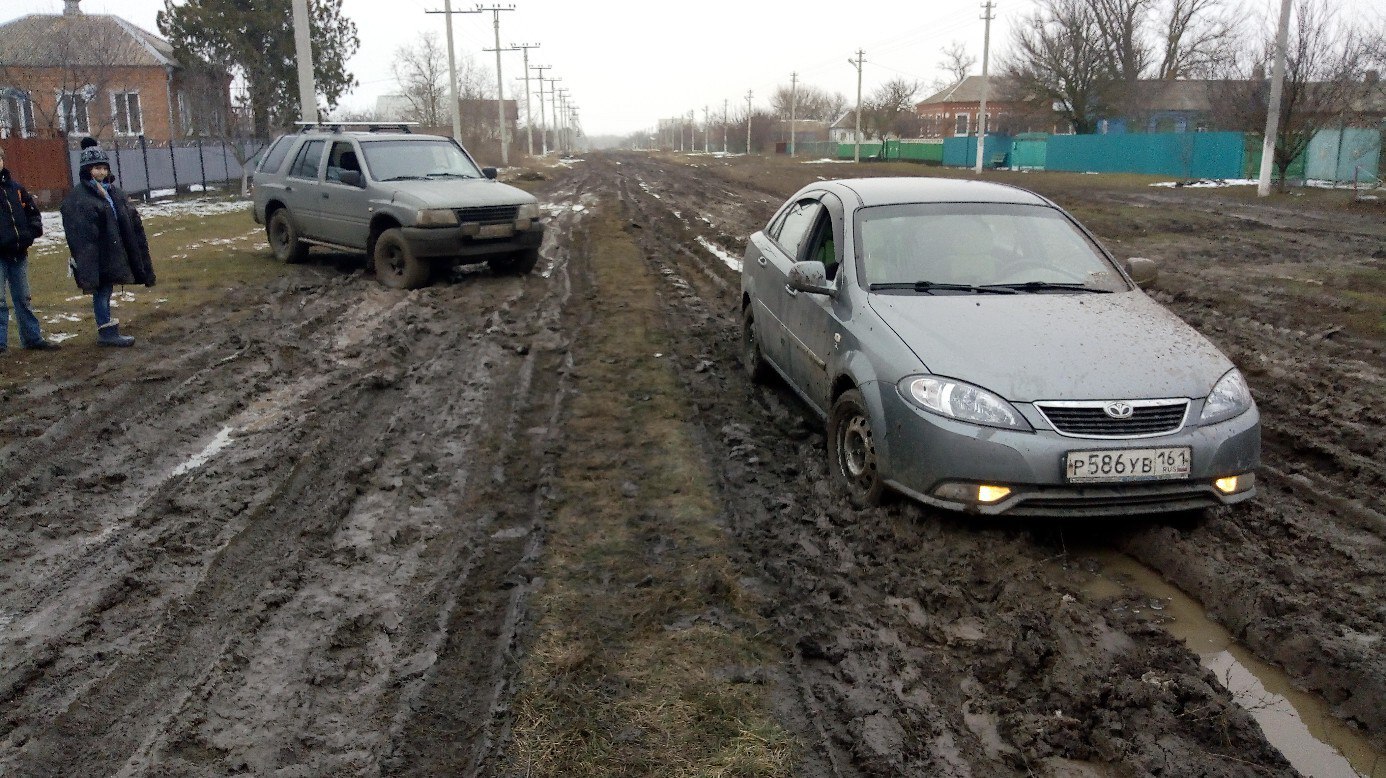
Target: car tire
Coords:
[(752, 358), (396, 266), (518, 263), (852, 451), (283, 238)]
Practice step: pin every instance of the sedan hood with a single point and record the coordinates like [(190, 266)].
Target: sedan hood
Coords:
[(458, 193), (1029, 347)]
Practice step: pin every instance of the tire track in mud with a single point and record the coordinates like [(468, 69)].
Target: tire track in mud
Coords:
[(870, 641)]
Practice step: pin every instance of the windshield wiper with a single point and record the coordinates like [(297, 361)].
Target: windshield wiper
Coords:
[(931, 287), (1045, 286), (404, 178), (450, 175)]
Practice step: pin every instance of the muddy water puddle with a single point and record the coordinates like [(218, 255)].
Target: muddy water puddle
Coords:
[(1315, 742)]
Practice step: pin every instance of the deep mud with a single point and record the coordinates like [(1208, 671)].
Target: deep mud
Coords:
[(296, 534)]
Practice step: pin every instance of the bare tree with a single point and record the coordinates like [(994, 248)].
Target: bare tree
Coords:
[(1057, 56), (1199, 39), (1122, 26), (1326, 82), (812, 103), (890, 110), (957, 63), (421, 70)]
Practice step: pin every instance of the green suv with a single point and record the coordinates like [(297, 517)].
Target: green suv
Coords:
[(416, 204)]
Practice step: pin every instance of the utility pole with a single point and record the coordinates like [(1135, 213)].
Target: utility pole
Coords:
[(563, 121), (692, 132), (724, 125), (748, 122), (500, 82), (707, 128), (303, 50), (1282, 38), (456, 111), (529, 109), (793, 108), (543, 121), (982, 112), (553, 103), (861, 57)]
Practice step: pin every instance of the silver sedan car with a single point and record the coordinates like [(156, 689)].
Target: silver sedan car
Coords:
[(974, 347)]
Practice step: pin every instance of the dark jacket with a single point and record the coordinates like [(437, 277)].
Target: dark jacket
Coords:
[(20, 221), (108, 245)]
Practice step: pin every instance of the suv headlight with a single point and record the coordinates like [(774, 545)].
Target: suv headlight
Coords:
[(962, 401), (528, 211), (1230, 397), (436, 217)]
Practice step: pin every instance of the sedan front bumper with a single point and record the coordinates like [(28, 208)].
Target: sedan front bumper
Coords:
[(920, 452)]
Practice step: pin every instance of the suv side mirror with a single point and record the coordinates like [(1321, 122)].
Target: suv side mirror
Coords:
[(489, 172), (1143, 271), (810, 277), (353, 178)]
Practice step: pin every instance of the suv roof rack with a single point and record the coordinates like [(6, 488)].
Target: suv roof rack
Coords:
[(370, 126)]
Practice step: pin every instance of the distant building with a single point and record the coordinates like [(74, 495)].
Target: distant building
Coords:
[(952, 111), (844, 130), (79, 74)]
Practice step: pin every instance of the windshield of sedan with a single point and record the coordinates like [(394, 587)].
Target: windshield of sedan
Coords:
[(960, 248), (402, 160)]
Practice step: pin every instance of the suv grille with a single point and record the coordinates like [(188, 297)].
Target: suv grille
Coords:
[(1090, 420), (488, 214)]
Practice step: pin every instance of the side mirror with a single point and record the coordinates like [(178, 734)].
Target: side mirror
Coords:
[(1143, 271), (810, 277), (489, 172), (353, 178)]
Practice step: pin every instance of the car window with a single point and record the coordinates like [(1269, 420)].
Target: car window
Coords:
[(797, 225), (397, 160), (822, 247), (977, 244), (340, 159), (306, 163), (274, 158)]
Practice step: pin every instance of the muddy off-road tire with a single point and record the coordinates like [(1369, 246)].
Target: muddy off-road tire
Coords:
[(283, 238), (757, 369), (516, 263), (852, 451), (395, 263)]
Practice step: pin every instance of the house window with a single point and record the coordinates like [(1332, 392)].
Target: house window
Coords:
[(961, 126), (73, 112), (125, 112), (16, 114)]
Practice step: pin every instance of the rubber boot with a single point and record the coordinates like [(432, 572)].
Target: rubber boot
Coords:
[(109, 335)]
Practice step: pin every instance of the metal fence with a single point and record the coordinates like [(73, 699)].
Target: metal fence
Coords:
[(146, 169)]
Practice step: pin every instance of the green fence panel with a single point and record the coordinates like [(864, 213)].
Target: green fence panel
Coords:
[(1343, 155), (1028, 152), (914, 151), (868, 150), (1178, 154), (962, 151), (1253, 162)]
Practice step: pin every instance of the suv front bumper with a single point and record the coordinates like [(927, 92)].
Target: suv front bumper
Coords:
[(460, 242)]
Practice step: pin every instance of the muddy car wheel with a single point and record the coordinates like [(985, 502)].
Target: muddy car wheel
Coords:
[(395, 263), (517, 264), (852, 451), (757, 369), (283, 238)]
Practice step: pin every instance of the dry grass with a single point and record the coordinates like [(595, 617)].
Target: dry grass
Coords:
[(642, 607)]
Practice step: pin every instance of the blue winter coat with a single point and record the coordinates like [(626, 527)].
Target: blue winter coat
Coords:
[(108, 245), (20, 221)]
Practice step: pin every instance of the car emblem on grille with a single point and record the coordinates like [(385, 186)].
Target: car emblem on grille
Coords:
[(1119, 410)]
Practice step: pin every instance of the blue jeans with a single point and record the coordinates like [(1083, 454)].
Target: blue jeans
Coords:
[(16, 270), (101, 305)]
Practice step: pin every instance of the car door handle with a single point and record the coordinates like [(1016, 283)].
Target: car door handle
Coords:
[(762, 260), (792, 291), (324, 195)]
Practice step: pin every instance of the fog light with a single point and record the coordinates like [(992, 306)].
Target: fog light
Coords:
[(988, 493), (1235, 483)]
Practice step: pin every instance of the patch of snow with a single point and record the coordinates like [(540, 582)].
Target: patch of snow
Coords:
[(221, 441), (717, 251)]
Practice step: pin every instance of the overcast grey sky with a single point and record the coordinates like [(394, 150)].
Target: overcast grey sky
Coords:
[(628, 65)]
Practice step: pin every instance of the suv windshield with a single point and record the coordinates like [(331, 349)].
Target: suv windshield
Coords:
[(398, 160), (955, 247)]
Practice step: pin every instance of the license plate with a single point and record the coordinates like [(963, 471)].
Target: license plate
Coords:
[(496, 231), (1131, 464)]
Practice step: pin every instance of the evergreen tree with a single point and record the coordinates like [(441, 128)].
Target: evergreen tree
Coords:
[(258, 37)]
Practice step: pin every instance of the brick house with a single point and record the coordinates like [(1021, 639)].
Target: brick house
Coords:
[(952, 111), (75, 74)]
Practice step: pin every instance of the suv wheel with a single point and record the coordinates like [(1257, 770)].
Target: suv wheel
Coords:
[(852, 451), (283, 238), (395, 263), (516, 264), (757, 369)]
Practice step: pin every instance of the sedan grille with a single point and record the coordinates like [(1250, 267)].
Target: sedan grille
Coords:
[(1147, 418), (488, 214)]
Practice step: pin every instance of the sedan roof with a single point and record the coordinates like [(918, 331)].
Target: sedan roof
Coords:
[(890, 191)]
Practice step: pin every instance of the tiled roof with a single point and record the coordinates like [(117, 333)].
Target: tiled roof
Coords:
[(80, 40), (969, 90)]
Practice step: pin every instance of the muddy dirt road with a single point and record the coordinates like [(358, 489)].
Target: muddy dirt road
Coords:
[(299, 534)]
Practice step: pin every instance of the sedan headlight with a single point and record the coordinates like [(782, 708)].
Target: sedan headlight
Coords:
[(1230, 397), (962, 401), (436, 217), (528, 211)]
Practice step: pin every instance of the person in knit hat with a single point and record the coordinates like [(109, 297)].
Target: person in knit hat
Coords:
[(20, 226), (106, 239)]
